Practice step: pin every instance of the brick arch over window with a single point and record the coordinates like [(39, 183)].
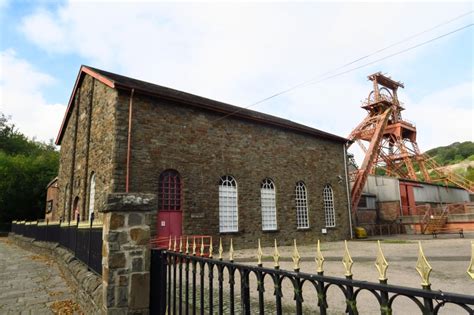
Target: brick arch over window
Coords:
[(268, 203), (169, 191), (329, 213), (301, 200), (228, 205)]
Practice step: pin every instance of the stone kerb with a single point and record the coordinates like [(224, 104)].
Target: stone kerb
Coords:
[(128, 218)]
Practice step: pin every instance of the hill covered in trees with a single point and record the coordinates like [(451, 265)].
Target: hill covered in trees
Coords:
[(457, 157), (453, 153), (26, 167)]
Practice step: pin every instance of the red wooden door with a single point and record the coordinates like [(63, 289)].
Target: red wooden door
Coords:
[(407, 197), (170, 214), (169, 223), (404, 199)]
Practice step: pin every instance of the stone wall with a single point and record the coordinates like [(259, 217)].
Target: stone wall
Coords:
[(167, 135), (389, 210), (88, 147), (126, 252), (87, 286), (366, 216)]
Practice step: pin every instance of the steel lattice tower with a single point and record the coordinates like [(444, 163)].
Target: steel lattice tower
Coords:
[(392, 141)]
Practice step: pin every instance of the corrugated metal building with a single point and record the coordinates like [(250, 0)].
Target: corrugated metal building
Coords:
[(395, 197)]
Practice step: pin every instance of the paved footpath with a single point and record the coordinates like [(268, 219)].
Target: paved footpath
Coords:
[(32, 283)]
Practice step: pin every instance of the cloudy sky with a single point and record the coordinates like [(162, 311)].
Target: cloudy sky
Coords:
[(241, 53)]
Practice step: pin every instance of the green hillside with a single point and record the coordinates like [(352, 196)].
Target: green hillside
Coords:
[(453, 153), (458, 157)]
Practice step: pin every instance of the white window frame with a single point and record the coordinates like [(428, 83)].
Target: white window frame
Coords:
[(329, 212), (91, 196), (268, 204), (301, 200), (228, 205)]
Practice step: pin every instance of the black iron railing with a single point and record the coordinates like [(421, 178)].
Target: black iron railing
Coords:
[(189, 284), (83, 240)]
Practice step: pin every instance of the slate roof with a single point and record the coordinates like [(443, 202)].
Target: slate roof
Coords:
[(117, 81)]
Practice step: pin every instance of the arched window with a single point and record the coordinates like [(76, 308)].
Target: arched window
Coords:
[(301, 206), (169, 194), (228, 209), (267, 196), (328, 198), (91, 196)]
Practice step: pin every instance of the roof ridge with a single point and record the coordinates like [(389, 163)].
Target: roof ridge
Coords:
[(119, 81)]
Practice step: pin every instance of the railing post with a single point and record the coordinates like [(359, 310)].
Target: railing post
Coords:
[(89, 241), (322, 302), (261, 292), (158, 282), (75, 232), (384, 308), (245, 291), (351, 308), (428, 302), (66, 243)]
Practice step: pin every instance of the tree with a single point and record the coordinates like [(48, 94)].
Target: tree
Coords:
[(26, 167)]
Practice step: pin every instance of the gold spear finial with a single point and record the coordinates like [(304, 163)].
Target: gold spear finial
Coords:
[(194, 245), (175, 244), (202, 247), (470, 269), (221, 249), (276, 256), (169, 244), (187, 245), (381, 264), (210, 248), (319, 259), (259, 254), (296, 257), (423, 267), (231, 251), (347, 261), (181, 244)]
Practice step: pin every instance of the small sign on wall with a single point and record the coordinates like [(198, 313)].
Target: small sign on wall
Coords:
[(197, 215), (163, 223), (324, 231)]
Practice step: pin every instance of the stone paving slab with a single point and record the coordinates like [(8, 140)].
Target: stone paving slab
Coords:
[(32, 284)]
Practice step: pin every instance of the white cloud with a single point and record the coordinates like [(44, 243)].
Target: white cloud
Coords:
[(42, 29), (22, 99), (4, 3), (240, 53), (443, 117)]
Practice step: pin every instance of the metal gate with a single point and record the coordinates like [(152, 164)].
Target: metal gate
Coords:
[(183, 282)]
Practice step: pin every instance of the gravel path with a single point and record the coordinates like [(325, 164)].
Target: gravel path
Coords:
[(32, 284)]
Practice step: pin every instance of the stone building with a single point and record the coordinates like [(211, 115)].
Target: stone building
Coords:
[(217, 169), (52, 194)]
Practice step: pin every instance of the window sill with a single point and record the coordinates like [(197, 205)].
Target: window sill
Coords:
[(303, 229), (229, 233), (271, 231)]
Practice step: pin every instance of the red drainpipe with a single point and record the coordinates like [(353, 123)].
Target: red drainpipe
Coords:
[(129, 142)]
